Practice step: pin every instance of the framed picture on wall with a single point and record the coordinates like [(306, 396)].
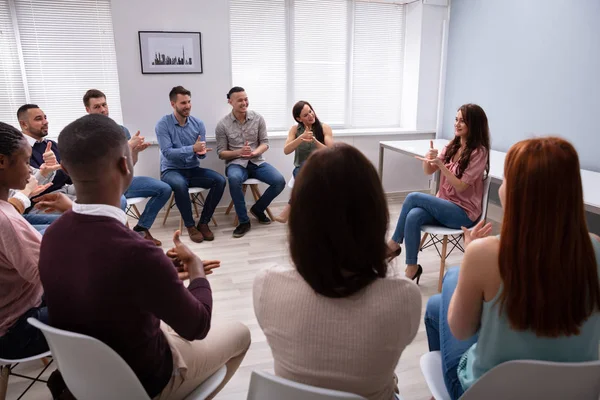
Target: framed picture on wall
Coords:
[(170, 52)]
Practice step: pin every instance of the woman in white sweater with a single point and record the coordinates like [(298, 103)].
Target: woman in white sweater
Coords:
[(336, 320)]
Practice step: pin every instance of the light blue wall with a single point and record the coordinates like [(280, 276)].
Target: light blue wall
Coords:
[(534, 67)]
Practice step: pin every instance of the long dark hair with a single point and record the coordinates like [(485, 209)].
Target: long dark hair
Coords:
[(343, 256), (317, 128), (478, 136), (546, 259)]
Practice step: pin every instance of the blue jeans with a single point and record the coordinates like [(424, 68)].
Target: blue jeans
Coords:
[(424, 209), (23, 340), (439, 336), (159, 193), (182, 179), (41, 221), (236, 174)]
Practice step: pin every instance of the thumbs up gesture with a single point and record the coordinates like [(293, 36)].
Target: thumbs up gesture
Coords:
[(49, 157), (431, 156), (200, 147), (137, 143)]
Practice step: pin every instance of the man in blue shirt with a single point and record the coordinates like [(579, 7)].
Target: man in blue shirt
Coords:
[(141, 186), (182, 141)]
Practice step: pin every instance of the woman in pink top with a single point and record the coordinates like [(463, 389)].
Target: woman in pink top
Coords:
[(462, 164), (20, 286)]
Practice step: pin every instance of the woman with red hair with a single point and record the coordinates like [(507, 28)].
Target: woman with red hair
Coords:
[(531, 293)]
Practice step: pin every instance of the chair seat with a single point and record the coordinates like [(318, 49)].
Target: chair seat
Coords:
[(440, 230), (252, 181), (135, 200), (5, 361), (208, 386), (194, 190), (431, 366)]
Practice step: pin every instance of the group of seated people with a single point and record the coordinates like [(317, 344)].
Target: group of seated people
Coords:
[(241, 141), (337, 319)]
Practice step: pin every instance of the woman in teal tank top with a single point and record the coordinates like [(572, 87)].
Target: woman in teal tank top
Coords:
[(533, 293), (307, 135)]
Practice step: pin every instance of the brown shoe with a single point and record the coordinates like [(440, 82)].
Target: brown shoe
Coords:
[(195, 234), (206, 232), (146, 235)]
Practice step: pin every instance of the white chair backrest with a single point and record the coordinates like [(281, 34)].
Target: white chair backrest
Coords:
[(528, 379), (91, 369), (264, 386)]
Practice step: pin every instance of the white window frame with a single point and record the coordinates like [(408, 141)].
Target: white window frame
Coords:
[(291, 99)]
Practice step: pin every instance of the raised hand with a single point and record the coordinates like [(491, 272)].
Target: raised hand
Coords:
[(479, 231), (200, 147), (432, 152), (246, 151), (307, 135), (49, 157), (431, 157), (53, 202)]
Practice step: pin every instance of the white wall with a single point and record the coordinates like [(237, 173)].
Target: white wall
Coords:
[(144, 98), (534, 66)]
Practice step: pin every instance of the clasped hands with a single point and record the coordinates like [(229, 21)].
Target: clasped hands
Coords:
[(200, 147)]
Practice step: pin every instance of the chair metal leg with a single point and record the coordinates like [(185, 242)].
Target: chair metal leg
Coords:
[(136, 211), (423, 241), (169, 208), (194, 202), (442, 262), (4, 373)]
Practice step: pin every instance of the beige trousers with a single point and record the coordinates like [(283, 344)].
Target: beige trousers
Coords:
[(193, 362)]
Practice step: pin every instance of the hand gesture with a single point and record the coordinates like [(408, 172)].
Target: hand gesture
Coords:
[(189, 266), (32, 188), (53, 202), (137, 143), (246, 151), (49, 157), (431, 157), (200, 147), (477, 232), (307, 135)]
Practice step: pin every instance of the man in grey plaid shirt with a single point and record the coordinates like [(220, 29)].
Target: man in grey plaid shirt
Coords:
[(241, 141)]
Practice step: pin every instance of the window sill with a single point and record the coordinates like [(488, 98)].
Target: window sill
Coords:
[(364, 132)]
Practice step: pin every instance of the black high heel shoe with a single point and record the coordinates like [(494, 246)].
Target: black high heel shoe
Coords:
[(393, 254), (417, 276)]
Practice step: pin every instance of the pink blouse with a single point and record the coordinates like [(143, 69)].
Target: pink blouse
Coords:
[(471, 198)]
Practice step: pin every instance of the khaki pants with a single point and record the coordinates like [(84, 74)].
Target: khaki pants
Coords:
[(193, 362)]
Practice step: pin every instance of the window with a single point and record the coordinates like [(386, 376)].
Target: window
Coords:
[(343, 56), (52, 52)]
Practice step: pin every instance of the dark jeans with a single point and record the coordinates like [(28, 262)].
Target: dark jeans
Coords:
[(182, 179), (440, 337), (159, 193), (23, 340), (236, 174)]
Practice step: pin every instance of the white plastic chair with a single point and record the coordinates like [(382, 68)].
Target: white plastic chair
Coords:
[(291, 182), (264, 386), (7, 365), (521, 379), (94, 371), (449, 235), (132, 210), (196, 198), (253, 183)]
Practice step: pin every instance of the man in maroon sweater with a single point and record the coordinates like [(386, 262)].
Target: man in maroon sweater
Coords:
[(117, 287)]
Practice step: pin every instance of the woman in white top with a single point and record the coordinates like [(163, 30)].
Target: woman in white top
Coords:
[(337, 320)]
